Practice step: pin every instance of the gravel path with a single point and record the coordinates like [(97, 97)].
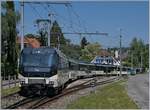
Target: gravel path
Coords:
[(138, 89)]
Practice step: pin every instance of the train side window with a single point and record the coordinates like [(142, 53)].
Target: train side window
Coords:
[(60, 64)]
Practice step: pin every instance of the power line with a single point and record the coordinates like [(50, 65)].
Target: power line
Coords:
[(48, 2), (70, 7), (70, 18), (65, 19), (62, 17), (35, 10), (84, 33), (78, 17), (79, 24)]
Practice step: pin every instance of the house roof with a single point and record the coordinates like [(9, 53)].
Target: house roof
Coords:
[(32, 42), (104, 52)]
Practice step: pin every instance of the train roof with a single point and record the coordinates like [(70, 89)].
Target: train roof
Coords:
[(42, 50)]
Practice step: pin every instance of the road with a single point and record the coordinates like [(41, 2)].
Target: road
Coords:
[(138, 89)]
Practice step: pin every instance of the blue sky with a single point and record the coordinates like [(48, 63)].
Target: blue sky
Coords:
[(109, 17)]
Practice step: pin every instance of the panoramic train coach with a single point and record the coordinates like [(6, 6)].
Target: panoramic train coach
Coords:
[(43, 70), (47, 71)]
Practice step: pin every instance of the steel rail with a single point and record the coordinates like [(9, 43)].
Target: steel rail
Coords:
[(10, 95), (69, 91), (21, 102), (35, 102)]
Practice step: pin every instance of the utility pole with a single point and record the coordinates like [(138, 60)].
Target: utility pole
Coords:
[(141, 60), (44, 24), (22, 24), (58, 42), (132, 60), (120, 53), (48, 2), (49, 29), (49, 24)]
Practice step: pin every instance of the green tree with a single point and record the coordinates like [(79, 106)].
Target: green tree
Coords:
[(31, 36), (43, 38), (56, 35), (9, 21), (138, 54), (90, 51), (72, 51), (83, 42), (42, 32), (145, 56), (135, 51)]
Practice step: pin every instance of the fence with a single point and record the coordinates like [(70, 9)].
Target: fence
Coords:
[(9, 81)]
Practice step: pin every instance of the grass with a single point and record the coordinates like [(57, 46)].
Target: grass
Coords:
[(8, 91), (112, 96)]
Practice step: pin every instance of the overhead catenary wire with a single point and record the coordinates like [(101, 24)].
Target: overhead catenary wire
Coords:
[(47, 8), (71, 23), (39, 15), (77, 16), (62, 17), (65, 19), (70, 16), (70, 7), (79, 24)]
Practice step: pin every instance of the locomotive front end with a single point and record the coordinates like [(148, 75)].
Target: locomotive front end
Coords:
[(38, 70)]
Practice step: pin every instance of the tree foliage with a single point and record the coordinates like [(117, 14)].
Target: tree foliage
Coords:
[(56, 35), (138, 54), (43, 38), (9, 21), (71, 51), (83, 42), (90, 51)]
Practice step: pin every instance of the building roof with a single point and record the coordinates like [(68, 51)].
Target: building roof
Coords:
[(31, 42), (104, 52), (19, 40)]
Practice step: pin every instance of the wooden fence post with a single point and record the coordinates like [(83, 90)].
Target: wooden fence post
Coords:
[(15, 80), (9, 80), (1, 83)]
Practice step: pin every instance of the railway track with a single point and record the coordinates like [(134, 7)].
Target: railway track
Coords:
[(36, 102), (69, 91), (22, 102), (32, 101), (10, 95)]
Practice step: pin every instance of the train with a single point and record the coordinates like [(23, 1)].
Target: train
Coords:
[(47, 71)]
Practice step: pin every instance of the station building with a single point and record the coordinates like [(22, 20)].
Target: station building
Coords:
[(105, 58)]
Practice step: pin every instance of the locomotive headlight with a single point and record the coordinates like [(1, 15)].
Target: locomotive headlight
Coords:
[(22, 81), (51, 82)]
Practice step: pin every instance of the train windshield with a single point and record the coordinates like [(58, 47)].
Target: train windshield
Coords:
[(40, 60)]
